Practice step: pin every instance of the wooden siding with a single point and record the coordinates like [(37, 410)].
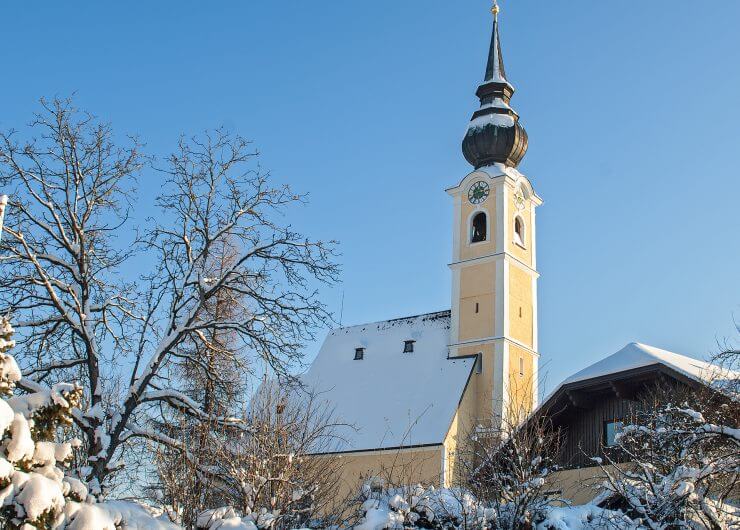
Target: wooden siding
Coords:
[(582, 429)]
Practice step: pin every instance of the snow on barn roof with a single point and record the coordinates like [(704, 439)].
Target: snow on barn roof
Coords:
[(636, 355), (392, 398)]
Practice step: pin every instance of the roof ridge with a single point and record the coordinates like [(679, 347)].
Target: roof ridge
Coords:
[(446, 312)]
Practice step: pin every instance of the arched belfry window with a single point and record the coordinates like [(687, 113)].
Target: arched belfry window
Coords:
[(519, 235), (478, 228)]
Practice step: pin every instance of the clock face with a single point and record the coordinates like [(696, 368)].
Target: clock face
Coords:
[(478, 192)]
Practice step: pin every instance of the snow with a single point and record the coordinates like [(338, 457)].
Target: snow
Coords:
[(114, 515), (3, 204), (453, 508), (497, 103), (393, 398), (498, 120), (224, 518), (10, 374), (497, 169), (6, 416), (580, 518), (38, 494), (6, 469), (636, 355), (26, 404), (21, 446), (49, 453)]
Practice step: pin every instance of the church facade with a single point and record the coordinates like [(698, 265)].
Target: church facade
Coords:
[(412, 389)]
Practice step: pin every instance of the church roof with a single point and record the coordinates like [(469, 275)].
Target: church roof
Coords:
[(393, 399)]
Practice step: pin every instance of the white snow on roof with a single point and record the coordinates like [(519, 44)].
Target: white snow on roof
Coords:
[(392, 398), (636, 355)]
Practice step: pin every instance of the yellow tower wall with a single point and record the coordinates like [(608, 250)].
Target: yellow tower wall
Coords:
[(477, 291), (521, 309), (522, 383)]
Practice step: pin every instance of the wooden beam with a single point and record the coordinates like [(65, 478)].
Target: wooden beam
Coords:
[(579, 399), (623, 390)]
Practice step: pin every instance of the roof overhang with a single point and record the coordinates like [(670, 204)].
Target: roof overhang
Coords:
[(623, 384)]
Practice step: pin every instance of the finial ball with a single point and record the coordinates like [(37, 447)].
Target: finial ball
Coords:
[(495, 9)]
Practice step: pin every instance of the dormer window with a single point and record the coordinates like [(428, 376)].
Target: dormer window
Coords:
[(359, 354), (408, 346), (478, 228), (519, 231)]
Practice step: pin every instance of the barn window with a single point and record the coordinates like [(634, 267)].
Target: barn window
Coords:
[(519, 238), (359, 354), (408, 346), (611, 429), (478, 228)]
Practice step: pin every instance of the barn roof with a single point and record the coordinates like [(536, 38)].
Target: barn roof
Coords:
[(394, 399), (637, 362), (636, 355)]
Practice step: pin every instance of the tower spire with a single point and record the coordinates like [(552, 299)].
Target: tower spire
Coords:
[(495, 70), (494, 134)]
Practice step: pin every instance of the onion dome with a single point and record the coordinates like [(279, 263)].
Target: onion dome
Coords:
[(494, 133)]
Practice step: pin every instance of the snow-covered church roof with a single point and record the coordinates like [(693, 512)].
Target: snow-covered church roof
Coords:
[(392, 398)]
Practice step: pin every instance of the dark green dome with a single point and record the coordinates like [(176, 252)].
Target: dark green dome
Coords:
[(494, 133)]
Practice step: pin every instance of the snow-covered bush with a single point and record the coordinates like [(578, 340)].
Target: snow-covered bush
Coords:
[(456, 509), (681, 465), (36, 488)]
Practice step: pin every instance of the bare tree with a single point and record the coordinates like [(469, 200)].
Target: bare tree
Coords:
[(276, 473), (507, 463), (67, 250), (181, 482), (507, 469), (727, 360)]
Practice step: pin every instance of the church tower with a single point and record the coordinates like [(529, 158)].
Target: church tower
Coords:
[(494, 262)]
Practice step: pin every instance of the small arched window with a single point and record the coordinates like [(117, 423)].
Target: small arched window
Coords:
[(519, 235), (478, 228)]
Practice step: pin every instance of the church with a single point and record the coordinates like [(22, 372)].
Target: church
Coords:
[(413, 389)]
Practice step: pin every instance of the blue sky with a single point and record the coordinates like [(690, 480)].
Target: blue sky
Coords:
[(631, 110)]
